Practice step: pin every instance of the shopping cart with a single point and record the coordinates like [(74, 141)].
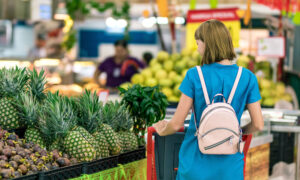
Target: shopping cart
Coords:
[(151, 169)]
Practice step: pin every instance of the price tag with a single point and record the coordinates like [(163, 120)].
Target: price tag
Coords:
[(103, 95)]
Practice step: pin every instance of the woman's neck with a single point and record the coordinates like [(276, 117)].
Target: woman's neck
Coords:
[(225, 62)]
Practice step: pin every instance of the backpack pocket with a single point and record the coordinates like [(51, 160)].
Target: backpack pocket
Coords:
[(219, 141)]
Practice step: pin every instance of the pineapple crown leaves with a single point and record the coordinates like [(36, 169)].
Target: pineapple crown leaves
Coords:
[(89, 109), (117, 116), (28, 109), (145, 103), (37, 84), (13, 81), (57, 118)]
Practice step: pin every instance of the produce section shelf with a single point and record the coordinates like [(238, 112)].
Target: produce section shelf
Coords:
[(88, 167)]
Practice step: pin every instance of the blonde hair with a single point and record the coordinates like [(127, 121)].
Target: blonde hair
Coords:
[(217, 40)]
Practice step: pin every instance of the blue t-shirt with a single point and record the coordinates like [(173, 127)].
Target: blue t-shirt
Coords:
[(193, 165)]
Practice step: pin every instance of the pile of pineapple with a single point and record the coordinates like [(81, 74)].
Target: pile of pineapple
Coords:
[(80, 126)]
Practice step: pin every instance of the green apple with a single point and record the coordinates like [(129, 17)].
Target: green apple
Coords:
[(167, 91), (161, 74), (172, 74), (156, 68), (146, 73), (162, 56), (168, 65), (137, 79), (151, 82), (153, 62), (173, 98), (165, 82), (177, 79)]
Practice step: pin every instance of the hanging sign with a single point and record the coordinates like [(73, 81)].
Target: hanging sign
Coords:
[(271, 47), (228, 16)]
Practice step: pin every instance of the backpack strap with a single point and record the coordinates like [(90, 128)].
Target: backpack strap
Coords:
[(203, 85), (236, 82)]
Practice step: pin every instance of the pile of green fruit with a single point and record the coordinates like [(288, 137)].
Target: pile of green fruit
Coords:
[(19, 158), (272, 92), (168, 71)]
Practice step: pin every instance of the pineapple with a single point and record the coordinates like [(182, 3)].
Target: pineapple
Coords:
[(58, 125), (107, 115), (88, 117), (28, 106), (103, 144), (13, 82), (122, 123)]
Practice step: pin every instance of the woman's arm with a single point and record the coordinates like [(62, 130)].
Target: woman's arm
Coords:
[(164, 128), (257, 121)]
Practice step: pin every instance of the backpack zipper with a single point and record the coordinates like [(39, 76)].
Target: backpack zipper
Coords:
[(218, 143), (211, 130)]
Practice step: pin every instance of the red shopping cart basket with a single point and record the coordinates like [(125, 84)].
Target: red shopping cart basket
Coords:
[(151, 169)]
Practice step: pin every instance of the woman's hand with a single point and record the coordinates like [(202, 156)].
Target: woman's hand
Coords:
[(160, 127)]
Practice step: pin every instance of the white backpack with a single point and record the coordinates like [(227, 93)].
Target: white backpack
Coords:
[(219, 131)]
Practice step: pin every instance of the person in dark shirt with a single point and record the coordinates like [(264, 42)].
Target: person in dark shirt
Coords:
[(118, 68)]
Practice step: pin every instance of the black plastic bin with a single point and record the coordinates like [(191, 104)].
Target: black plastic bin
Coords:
[(62, 173), (166, 155), (132, 155), (29, 177), (100, 165)]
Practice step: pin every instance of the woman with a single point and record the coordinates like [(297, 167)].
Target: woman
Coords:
[(118, 68), (216, 48)]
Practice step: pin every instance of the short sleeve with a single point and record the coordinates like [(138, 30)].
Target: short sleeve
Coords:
[(101, 66), (187, 86), (253, 91)]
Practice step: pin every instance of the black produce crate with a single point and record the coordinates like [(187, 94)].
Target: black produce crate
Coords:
[(131, 156), (100, 165), (62, 173), (28, 177)]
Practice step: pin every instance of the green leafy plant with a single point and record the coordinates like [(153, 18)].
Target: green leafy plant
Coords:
[(146, 104)]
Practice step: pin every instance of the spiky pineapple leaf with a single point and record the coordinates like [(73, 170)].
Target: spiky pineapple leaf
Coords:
[(28, 110), (57, 118), (89, 109), (37, 84), (13, 81), (117, 116)]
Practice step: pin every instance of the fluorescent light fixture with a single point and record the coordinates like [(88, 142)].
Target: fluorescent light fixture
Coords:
[(162, 20), (121, 23), (179, 20), (148, 22)]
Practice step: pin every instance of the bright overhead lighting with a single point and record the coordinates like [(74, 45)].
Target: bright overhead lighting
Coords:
[(162, 20), (148, 22), (179, 20), (122, 23), (111, 22)]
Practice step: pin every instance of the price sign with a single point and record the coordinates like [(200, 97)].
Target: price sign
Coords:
[(228, 16), (271, 47), (103, 95)]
